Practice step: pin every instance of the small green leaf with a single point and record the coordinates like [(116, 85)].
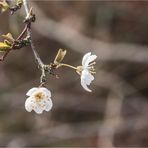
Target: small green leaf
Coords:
[(19, 2), (9, 37), (60, 56), (4, 47), (4, 6)]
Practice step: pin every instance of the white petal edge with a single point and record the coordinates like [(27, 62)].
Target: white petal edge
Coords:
[(85, 57), (86, 79), (89, 60), (49, 105), (85, 86), (28, 104), (31, 91)]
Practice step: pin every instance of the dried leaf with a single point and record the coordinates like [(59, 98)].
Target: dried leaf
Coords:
[(4, 6), (7, 42), (4, 47), (9, 37), (60, 56)]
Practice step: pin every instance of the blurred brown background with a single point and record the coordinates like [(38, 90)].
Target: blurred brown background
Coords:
[(116, 112)]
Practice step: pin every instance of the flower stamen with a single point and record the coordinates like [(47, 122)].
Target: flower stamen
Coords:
[(93, 63), (39, 96)]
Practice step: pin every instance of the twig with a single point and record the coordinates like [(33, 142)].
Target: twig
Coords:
[(23, 32), (36, 55), (2, 58), (29, 32)]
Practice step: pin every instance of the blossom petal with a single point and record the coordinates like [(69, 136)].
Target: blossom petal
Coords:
[(31, 91), (86, 79), (38, 110), (85, 86), (28, 104), (85, 57), (49, 105), (87, 76), (89, 60)]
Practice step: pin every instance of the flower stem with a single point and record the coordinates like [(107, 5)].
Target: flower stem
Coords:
[(70, 66)]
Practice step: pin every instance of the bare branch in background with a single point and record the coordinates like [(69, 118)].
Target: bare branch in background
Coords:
[(80, 43)]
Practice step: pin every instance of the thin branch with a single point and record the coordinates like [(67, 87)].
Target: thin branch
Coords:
[(36, 55), (2, 58), (22, 33), (29, 32)]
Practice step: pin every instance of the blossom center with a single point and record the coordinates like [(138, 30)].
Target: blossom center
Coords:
[(39, 96)]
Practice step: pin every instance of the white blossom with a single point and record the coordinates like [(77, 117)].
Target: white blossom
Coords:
[(86, 70), (39, 99)]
